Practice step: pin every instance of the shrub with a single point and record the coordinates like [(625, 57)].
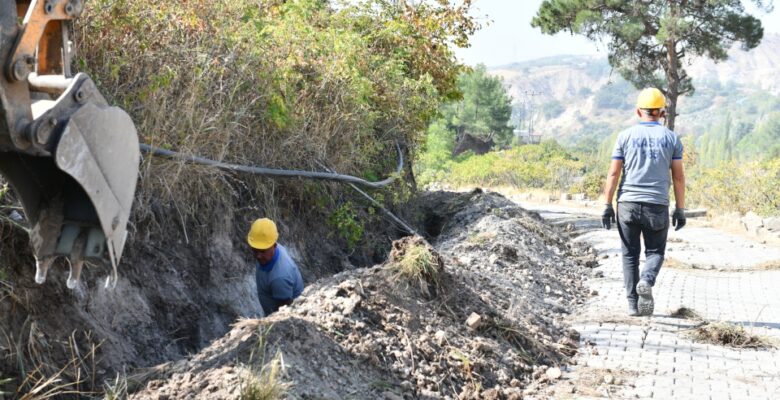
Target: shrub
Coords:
[(732, 186), (284, 84), (592, 184), (547, 165), (348, 227)]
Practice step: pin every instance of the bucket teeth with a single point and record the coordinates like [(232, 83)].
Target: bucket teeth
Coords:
[(76, 261), (42, 268), (75, 273)]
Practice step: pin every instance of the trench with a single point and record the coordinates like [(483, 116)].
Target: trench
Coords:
[(172, 299)]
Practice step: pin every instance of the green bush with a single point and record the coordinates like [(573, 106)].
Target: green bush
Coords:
[(592, 184), (547, 165), (732, 186), (344, 220)]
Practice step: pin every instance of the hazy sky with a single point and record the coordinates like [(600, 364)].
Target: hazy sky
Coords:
[(508, 37)]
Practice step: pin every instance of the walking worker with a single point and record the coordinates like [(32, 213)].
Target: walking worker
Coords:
[(279, 280), (649, 158)]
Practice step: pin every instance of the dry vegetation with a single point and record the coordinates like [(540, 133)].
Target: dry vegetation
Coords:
[(277, 84), (721, 333), (685, 313), (262, 378), (728, 334), (670, 262), (414, 261), (596, 383), (42, 372)]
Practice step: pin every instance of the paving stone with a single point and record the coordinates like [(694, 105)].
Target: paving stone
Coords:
[(660, 360)]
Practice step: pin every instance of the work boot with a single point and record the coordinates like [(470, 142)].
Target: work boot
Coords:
[(633, 311), (645, 303)]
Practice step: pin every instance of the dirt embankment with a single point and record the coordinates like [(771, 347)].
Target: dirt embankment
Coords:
[(491, 328), (178, 290)]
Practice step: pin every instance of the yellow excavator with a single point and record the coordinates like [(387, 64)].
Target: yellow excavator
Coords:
[(71, 158)]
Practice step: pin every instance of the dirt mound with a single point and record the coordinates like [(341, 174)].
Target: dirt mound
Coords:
[(491, 331), (172, 299)]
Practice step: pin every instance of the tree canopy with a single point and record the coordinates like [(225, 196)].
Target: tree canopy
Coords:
[(483, 112), (648, 40)]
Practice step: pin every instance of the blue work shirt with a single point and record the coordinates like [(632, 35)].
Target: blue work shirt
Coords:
[(647, 151), (278, 282)]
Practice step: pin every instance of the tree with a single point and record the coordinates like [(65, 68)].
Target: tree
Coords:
[(648, 40), (484, 111), (423, 33), (763, 142)]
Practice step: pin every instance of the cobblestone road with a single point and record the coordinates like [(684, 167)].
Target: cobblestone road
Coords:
[(654, 357)]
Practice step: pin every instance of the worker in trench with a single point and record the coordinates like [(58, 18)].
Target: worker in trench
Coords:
[(647, 158), (279, 280)]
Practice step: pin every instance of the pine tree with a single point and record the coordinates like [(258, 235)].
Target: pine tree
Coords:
[(647, 41)]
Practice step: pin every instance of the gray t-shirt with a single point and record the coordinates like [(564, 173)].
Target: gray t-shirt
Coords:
[(647, 151), (278, 281)]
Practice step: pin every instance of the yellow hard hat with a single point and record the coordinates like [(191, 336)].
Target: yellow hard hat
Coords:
[(263, 234), (650, 98)]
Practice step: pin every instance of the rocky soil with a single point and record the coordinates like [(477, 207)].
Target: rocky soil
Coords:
[(491, 328)]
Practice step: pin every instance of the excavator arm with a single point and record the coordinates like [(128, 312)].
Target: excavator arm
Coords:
[(71, 158)]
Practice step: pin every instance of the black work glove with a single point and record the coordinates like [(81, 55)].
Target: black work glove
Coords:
[(678, 218), (608, 217)]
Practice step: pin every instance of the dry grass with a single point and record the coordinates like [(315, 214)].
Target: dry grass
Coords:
[(774, 265), (263, 379), (482, 237), (685, 313), (728, 334), (528, 347), (201, 78), (3, 383), (48, 368), (267, 383), (591, 382), (670, 262), (116, 390), (418, 265), (621, 319), (413, 260)]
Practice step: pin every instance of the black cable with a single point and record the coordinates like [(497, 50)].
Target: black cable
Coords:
[(284, 173)]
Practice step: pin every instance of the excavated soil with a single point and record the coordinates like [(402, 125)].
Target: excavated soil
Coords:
[(493, 329), (180, 287)]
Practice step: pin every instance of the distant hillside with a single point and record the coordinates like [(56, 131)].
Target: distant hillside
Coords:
[(758, 67), (579, 99)]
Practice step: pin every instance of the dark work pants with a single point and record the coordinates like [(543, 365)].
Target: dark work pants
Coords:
[(651, 221)]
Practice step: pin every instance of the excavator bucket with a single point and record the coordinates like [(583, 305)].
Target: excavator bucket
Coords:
[(71, 158)]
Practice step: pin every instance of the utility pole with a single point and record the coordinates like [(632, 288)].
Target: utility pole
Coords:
[(530, 93), (526, 95)]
